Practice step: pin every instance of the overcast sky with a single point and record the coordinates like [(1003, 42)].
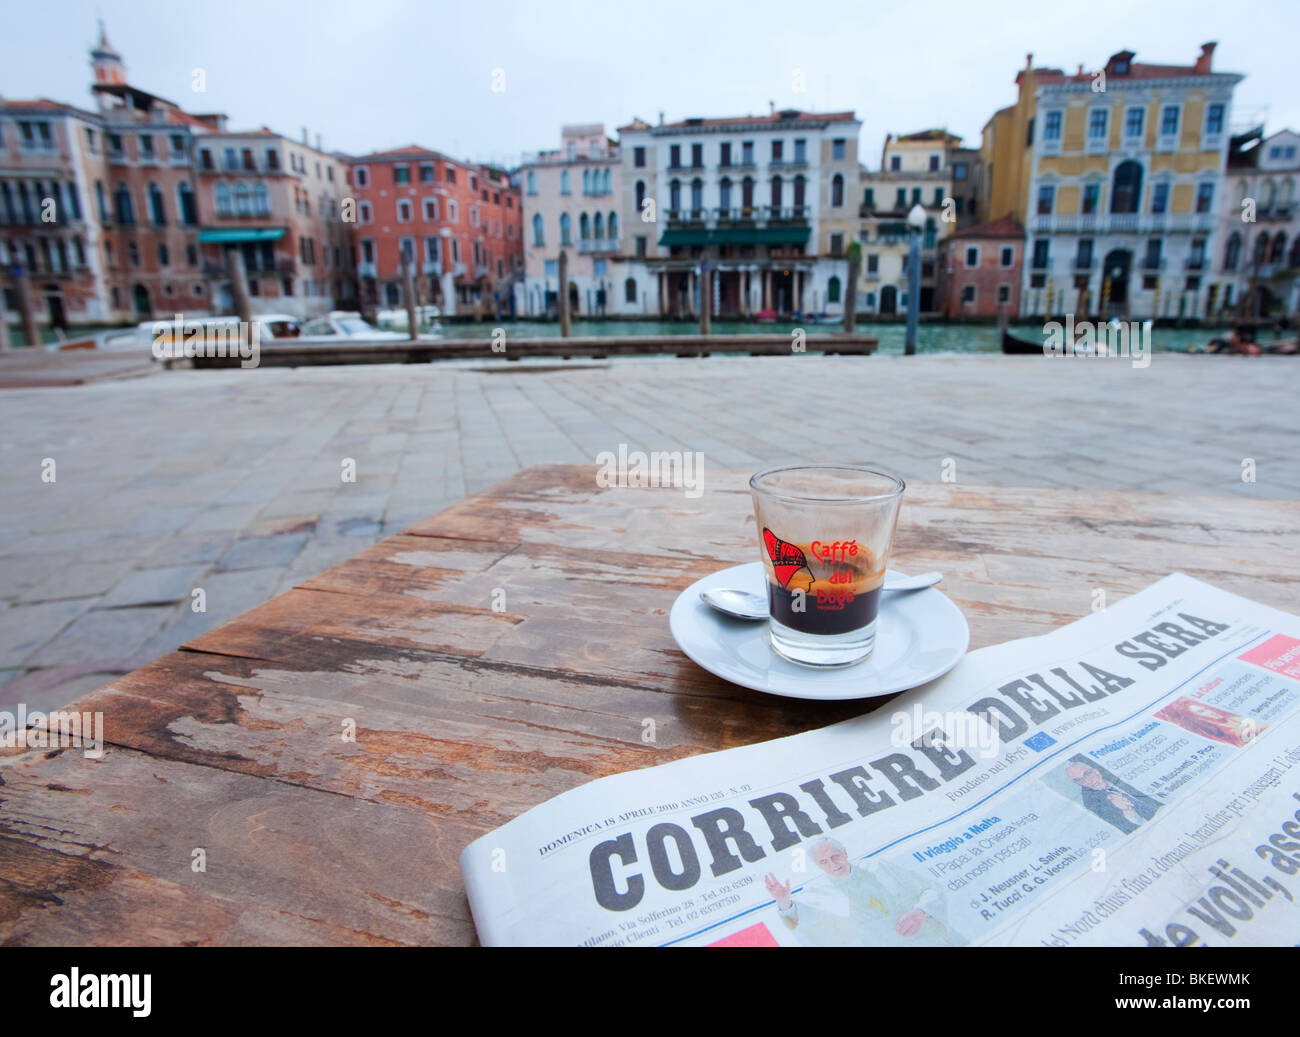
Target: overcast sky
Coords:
[(373, 74)]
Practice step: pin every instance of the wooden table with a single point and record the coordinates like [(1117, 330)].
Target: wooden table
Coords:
[(467, 714)]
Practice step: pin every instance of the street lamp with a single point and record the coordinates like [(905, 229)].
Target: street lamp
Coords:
[(916, 221)]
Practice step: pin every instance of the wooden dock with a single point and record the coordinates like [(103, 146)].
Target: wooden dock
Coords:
[(289, 354)]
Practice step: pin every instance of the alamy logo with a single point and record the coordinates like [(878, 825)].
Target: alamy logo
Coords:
[(181, 338), (682, 469), (127, 990), (1131, 339), (60, 729)]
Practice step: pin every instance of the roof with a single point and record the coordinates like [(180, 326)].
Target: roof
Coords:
[(409, 151), (44, 104), (783, 117), (942, 135), (1003, 227)]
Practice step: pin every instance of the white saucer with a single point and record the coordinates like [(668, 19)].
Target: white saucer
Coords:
[(920, 635)]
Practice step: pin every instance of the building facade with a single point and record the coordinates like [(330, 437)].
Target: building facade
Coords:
[(930, 169), (148, 201), (571, 199), (460, 225), (1117, 176), (1257, 264), (979, 271), (765, 203)]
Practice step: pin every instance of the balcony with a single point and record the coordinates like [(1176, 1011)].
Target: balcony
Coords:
[(778, 165), (430, 266), (1153, 263), (686, 216), (793, 214), (593, 246), (1040, 263), (1194, 263), (367, 269), (1275, 212), (1083, 264)]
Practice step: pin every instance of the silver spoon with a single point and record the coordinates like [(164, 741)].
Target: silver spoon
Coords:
[(744, 605)]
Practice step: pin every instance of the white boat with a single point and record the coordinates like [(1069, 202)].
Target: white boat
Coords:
[(397, 318), (334, 328)]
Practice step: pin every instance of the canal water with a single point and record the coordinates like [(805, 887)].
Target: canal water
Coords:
[(930, 338)]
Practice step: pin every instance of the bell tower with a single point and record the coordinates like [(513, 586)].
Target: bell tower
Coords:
[(107, 63)]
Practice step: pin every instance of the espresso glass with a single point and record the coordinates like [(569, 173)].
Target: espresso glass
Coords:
[(825, 532)]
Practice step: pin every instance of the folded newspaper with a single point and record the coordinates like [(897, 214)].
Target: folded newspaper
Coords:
[(1125, 780)]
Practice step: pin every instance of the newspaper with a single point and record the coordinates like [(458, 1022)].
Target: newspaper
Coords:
[(1125, 780)]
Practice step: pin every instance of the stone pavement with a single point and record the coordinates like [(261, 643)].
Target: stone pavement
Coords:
[(232, 481)]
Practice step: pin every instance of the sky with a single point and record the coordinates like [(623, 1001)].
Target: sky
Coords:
[(493, 79)]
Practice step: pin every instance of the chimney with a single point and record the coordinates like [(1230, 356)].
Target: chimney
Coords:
[(771, 107), (1207, 57), (318, 147), (304, 135), (1029, 60), (1080, 68), (661, 117)]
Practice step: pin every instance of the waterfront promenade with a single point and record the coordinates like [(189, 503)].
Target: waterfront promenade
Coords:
[(232, 482)]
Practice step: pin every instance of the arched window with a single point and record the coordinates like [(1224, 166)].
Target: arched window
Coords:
[(156, 211), (640, 195), (1294, 261), (261, 200), (697, 194), (1279, 248), (539, 237), (1261, 247), (1267, 192), (930, 230), (833, 290), (1285, 195), (629, 290), (837, 190), (1232, 253), (243, 199), (564, 181), (584, 227), (1126, 188), (776, 192), (800, 186), (613, 225), (224, 207), (724, 194), (566, 229), (675, 195), (598, 226), (185, 203), (747, 193), (607, 187), (125, 208), (586, 181), (532, 182)]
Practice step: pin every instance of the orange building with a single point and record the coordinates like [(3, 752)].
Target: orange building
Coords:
[(459, 223)]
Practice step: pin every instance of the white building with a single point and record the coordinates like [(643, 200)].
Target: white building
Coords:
[(767, 202)]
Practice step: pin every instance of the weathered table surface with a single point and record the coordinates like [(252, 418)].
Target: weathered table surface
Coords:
[(466, 715)]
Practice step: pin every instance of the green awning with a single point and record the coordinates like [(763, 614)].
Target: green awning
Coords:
[(700, 236), (241, 234)]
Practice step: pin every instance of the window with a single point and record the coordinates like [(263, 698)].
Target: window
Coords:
[(894, 163), (473, 216), (426, 172), (1169, 120), (833, 290), (837, 191), (432, 252), (163, 258), (367, 250), (934, 163), (778, 150), (1008, 257), (1232, 253), (938, 196), (1214, 120), (1097, 121), (838, 148), (960, 170), (125, 208), (629, 290), (916, 196), (972, 256), (776, 192), (1040, 255), (1046, 194), (873, 263), (453, 211), (900, 198), (1052, 125), (638, 157), (747, 153), (801, 150), (91, 143), (564, 181), (401, 174), (232, 158), (837, 245), (697, 156), (869, 198), (364, 212), (1126, 188), (1091, 198), (1004, 294), (1133, 120), (640, 246), (192, 254), (675, 156), (361, 176), (1083, 257), (1204, 197), (403, 210), (146, 147), (156, 212), (451, 175), (968, 294), (1160, 197), (565, 229), (430, 210)]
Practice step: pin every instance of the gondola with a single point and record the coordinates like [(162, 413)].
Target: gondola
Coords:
[(1017, 346)]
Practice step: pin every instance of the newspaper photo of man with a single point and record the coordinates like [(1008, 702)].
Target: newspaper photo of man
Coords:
[(868, 904), (1112, 800)]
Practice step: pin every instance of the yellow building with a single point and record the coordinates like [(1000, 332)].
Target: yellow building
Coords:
[(1117, 176)]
